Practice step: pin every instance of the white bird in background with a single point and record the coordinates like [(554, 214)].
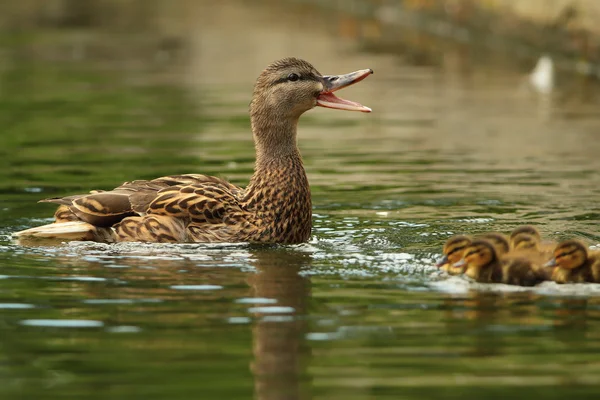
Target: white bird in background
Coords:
[(541, 78)]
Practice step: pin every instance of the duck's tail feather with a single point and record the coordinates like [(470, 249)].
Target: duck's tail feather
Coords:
[(67, 231)]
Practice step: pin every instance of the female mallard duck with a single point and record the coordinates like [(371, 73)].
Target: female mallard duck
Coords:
[(453, 253), (573, 263), (482, 263), (275, 207)]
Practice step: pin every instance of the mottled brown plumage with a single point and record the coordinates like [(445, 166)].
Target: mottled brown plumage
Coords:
[(573, 263), (275, 207)]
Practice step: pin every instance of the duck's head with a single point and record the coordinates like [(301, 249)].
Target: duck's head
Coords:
[(528, 229), (498, 240), (524, 241), (569, 254), (284, 91), (289, 87), (478, 254), (453, 250)]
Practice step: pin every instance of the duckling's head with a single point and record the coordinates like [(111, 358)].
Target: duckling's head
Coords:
[(569, 254), (453, 250), (478, 254), (525, 241), (498, 240), (529, 229), (285, 90)]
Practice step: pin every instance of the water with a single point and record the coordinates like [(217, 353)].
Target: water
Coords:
[(453, 145)]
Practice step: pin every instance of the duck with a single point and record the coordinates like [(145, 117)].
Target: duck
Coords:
[(573, 263), (482, 264), (527, 237), (528, 246), (275, 207), (498, 240), (452, 253), (525, 242), (525, 229)]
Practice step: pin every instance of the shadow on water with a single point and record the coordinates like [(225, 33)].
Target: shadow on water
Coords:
[(95, 96)]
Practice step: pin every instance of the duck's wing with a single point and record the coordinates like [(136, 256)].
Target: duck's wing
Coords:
[(106, 208), (198, 212)]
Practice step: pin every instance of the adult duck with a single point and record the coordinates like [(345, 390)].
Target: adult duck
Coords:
[(275, 207)]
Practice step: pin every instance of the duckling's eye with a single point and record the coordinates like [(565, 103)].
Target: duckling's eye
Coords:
[(293, 77), (454, 250)]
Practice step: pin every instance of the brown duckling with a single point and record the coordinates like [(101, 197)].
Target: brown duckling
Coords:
[(528, 229), (520, 231), (518, 240), (482, 264), (498, 240), (525, 242), (528, 246), (573, 263), (453, 253), (275, 207)]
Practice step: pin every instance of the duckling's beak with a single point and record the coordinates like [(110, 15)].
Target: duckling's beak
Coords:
[(332, 83), (461, 263), (442, 261), (551, 263)]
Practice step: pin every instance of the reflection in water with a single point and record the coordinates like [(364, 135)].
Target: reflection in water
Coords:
[(280, 353), (490, 315), (109, 91)]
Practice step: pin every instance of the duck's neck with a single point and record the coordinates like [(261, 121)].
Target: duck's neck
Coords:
[(274, 138), (278, 189)]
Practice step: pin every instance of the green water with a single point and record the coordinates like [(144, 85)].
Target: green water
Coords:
[(356, 313)]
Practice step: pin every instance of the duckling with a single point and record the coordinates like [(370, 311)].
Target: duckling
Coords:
[(482, 263), (498, 240), (519, 240), (573, 263), (528, 246), (274, 208), (527, 229), (453, 253)]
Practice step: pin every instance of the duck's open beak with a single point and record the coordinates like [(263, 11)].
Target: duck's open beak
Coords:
[(336, 82)]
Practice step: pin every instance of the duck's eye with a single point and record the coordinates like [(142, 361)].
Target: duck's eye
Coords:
[(454, 250), (293, 77)]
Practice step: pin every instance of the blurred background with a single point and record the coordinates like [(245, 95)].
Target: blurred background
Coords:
[(486, 115)]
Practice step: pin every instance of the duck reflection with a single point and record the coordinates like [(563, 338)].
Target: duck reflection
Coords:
[(493, 320), (280, 352)]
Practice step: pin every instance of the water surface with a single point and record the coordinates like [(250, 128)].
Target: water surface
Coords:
[(456, 143)]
